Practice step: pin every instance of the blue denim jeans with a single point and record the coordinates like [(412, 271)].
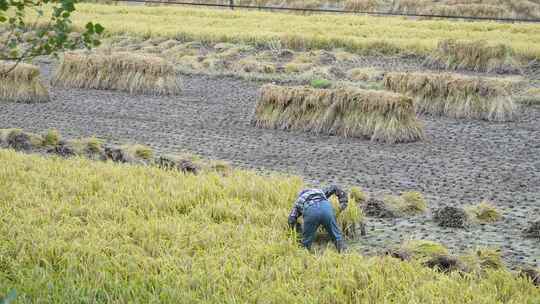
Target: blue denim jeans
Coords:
[(321, 213)]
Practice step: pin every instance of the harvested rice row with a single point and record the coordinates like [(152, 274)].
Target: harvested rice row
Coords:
[(22, 84), (132, 73), (456, 95), (349, 112)]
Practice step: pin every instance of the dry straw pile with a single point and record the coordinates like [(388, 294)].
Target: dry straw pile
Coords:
[(456, 95), (133, 73), (22, 84), (350, 112), (477, 56)]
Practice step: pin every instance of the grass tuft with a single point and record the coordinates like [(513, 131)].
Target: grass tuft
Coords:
[(321, 83), (132, 73), (484, 212), (51, 138), (357, 195), (349, 112), (423, 250), (482, 259), (23, 84), (456, 95)]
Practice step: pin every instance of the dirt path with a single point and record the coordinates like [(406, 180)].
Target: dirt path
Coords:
[(461, 161)]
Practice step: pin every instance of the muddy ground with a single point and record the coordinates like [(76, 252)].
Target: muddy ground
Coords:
[(461, 161)]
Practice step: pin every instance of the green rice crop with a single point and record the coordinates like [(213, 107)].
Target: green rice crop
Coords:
[(360, 34), (77, 231)]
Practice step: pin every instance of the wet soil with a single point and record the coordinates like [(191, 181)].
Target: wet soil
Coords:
[(460, 162)]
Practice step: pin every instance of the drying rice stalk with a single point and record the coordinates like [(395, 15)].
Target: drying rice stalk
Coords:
[(475, 56), (22, 84), (128, 72), (349, 112), (455, 95)]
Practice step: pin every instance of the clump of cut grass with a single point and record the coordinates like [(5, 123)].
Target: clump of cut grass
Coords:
[(482, 259), (413, 202), (93, 144), (251, 65), (321, 83), (294, 67), (349, 112), (356, 194), (484, 212), (423, 250), (365, 74), (456, 95), (22, 84), (138, 151), (477, 56), (51, 138), (132, 73), (409, 203)]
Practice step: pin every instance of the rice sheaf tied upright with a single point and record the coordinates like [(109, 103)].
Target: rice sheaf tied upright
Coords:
[(132, 73), (349, 112), (456, 96), (21, 84)]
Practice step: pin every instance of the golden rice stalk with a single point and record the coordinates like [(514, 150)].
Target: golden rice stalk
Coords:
[(349, 112), (456, 95), (22, 84), (474, 55), (485, 212), (133, 73)]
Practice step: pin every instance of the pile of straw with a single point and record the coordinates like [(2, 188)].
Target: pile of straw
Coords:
[(22, 84), (455, 95), (133, 73), (349, 112), (474, 56)]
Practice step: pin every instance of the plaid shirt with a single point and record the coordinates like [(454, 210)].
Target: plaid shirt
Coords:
[(310, 196)]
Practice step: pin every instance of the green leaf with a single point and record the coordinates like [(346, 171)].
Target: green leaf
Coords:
[(89, 28), (98, 28)]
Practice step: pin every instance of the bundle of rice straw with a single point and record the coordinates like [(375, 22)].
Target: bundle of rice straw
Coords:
[(455, 95), (349, 112), (133, 73), (22, 84)]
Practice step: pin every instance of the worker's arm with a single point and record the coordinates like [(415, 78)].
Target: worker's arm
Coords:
[(293, 216), (341, 195)]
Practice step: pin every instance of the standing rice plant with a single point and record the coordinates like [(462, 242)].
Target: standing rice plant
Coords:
[(456, 95), (349, 112), (22, 84), (132, 73), (81, 231), (475, 56)]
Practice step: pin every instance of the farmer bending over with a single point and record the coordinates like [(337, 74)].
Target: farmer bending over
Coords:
[(313, 204)]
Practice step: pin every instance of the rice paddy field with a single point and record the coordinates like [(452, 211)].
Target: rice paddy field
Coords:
[(432, 126), (362, 34)]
